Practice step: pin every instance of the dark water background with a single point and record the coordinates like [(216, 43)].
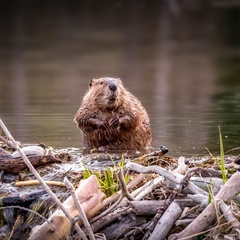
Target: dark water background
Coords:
[(180, 58)]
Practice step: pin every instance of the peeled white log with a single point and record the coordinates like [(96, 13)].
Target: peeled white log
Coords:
[(166, 222), (30, 150), (182, 168), (58, 225), (205, 183)]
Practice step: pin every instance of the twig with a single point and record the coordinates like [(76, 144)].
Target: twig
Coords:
[(227, 213), (16, 224), (160, 152), (201, 233), (110, 209), (80, 210), (33, 182), (111, 217), (155, 169), (148, 187), (124, 189), (116, 196), (36, 174), (7, 142)]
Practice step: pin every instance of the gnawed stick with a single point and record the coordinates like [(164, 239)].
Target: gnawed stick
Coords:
[(79, 208), (33, 182), (208, 215), (90, 198)]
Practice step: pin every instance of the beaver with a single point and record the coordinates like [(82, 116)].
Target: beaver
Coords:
[(113, 118)]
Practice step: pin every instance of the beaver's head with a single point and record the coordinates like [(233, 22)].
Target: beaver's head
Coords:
[(107, 93)]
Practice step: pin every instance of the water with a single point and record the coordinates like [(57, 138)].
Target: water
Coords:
[(182, 60)]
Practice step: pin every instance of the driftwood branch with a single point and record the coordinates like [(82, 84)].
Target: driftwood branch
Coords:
[(147, 207), (208, 215), (166, 222), (16, 165), (175, 178), (148, 187)]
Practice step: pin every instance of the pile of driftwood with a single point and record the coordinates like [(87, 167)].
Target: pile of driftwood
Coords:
[(159, 203)]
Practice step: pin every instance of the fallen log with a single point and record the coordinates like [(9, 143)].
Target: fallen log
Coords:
[(128, 222), (16, 165), (166, 222), (58, 225), (111, 217), (147, 207), (20, 199)]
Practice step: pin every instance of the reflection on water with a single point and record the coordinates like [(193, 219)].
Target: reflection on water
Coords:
[(181, 60)]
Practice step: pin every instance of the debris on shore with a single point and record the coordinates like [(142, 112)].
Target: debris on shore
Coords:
[(156, 196)]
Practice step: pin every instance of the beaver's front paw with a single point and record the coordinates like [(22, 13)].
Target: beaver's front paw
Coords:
[(95, 123), (126, 122), (101, 124), (114, 121)]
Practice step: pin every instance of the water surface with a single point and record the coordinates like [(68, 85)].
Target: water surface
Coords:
[(182, 61)]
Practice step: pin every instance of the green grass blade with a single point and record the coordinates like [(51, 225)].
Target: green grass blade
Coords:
[(222, 159)]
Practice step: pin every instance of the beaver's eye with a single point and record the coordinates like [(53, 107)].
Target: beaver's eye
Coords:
[(101, 83)]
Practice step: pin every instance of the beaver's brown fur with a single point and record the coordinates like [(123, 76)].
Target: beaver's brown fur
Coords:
[(112, 117)]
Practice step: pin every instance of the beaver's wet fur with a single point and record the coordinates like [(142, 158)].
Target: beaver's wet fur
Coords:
[(111, 117)]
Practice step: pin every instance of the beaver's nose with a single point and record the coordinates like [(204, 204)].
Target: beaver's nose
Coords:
[(112, 87)]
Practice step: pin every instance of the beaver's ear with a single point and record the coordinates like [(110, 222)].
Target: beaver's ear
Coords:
[(91, 83)]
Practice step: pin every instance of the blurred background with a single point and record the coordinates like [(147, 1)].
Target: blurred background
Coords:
[(181, 58)]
